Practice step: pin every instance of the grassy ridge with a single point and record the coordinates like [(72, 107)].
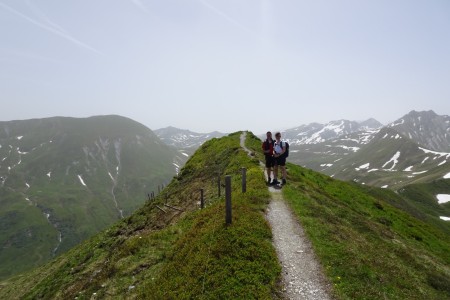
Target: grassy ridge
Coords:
[(201, 256), (370, 249)]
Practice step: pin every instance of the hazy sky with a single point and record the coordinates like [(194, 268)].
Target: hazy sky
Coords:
[(224, 65)]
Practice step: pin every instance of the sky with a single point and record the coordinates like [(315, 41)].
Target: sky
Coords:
[(224, 65)]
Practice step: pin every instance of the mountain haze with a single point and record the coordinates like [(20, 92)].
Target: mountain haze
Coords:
[(64, 179)]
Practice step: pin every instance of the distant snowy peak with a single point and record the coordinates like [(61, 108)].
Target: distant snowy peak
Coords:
[(315, 133), (426, 128), (182, 139)]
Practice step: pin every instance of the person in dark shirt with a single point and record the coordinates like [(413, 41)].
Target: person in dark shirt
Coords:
[(267, 147), (279, 148)]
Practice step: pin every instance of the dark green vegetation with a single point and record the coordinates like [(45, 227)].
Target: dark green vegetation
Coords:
[(369, 248), (173, 255), (64, 179)]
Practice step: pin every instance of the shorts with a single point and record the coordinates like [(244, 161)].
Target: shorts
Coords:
[(270, 161), (280, 161)]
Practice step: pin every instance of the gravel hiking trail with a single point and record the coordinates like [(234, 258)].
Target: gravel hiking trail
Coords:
[(302, 275)]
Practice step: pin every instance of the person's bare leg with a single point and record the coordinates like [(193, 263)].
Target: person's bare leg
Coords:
[(269, 171), (275, 173)]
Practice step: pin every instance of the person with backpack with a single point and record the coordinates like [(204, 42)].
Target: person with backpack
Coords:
[(267, 147), (281, 151)]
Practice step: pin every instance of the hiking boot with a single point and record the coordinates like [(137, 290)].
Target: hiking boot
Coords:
[(268, 181), (283, 181), (275, 182)]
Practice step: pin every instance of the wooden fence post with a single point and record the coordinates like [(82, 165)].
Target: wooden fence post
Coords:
[(228, 199), (244, 180)]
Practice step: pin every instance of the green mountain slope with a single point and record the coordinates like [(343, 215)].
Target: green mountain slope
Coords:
[(369, 247), (65, 179), (174, 254), (369, 244)]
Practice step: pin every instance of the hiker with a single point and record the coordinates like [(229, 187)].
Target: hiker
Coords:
[(279, 150), (267, 147)]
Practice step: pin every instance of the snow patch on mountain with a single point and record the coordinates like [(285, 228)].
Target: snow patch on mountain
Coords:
[(362, 167), (394, 160), (408, 169), (444, 218), (401, 122), (49, 174), (443, 198), (81, 180), (22, 153), (447, 176), (418, 173), (438, 154), (19, 137), (110, 176), (354, 149)]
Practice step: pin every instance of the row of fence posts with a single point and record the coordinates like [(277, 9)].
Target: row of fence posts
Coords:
[(228, 210), (152, 196)]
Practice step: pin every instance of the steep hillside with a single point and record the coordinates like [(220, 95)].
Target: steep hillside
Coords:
[(179, 253), (370, 247), (393, 156), (64, 179), (426, 128), (391, 160)]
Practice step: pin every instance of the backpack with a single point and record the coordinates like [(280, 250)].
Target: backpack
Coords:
[(286, 152)]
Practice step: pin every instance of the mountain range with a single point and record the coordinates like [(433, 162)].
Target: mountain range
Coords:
[(409, 150), (371, 242), (186, 141), (64, 179)]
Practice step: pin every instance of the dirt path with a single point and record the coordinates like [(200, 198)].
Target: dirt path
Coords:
[(301, 273)]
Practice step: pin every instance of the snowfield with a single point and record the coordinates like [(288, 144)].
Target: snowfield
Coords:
[(394, 159), (443, 198), (81, 180)]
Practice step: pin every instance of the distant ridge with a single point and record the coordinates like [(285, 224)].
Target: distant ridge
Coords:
[(185, 139), (368, 156)]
